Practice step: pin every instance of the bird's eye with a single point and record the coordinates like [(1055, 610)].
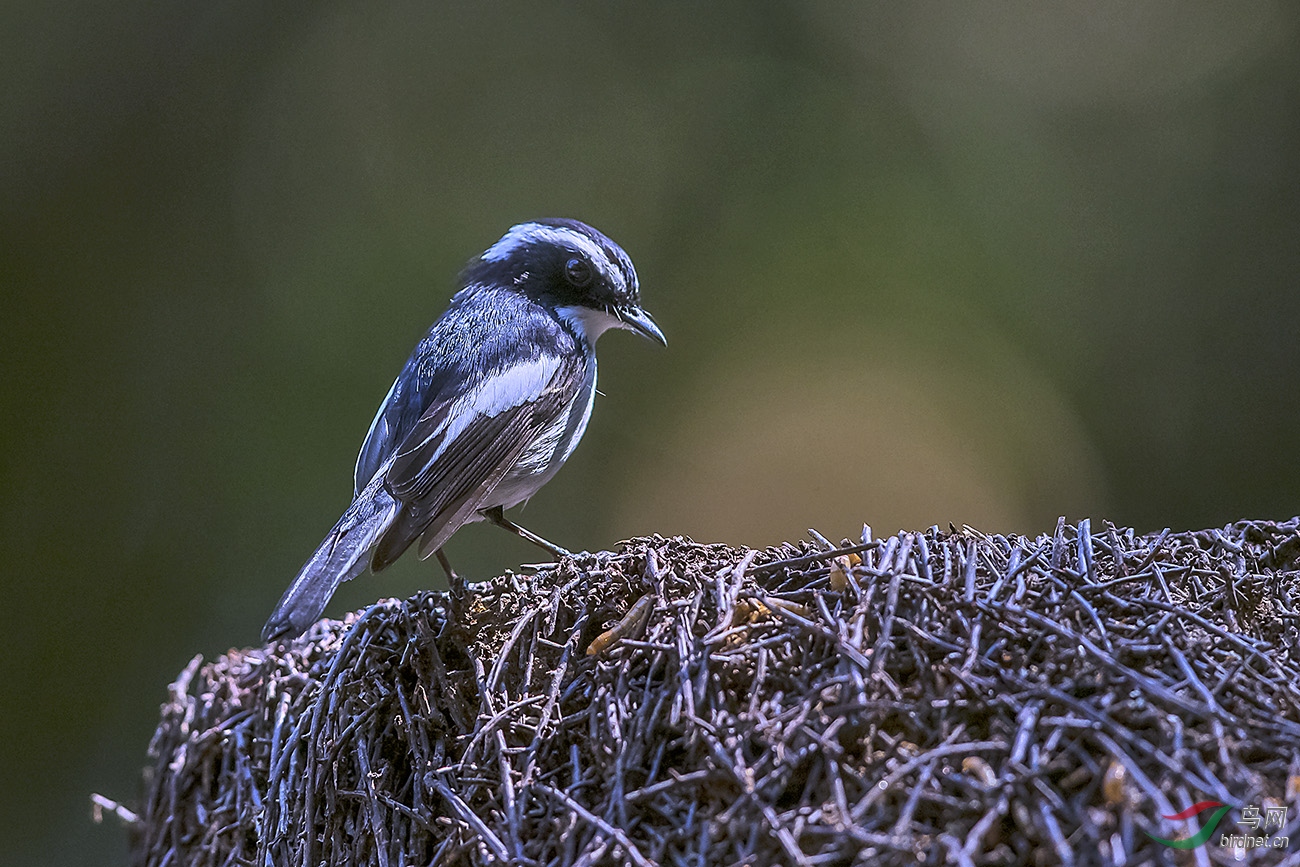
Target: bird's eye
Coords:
[(577, 272)]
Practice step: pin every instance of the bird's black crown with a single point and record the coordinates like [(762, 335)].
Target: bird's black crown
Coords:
[(562, 262)]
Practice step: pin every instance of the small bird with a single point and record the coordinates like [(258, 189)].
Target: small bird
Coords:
[(488, 407)]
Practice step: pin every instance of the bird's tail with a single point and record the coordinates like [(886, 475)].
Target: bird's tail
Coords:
[(342, 556)]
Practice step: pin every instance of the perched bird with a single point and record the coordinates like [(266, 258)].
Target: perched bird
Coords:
[(490, 404)]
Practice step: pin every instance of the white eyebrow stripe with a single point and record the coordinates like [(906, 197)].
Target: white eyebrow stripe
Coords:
[(526, 234)]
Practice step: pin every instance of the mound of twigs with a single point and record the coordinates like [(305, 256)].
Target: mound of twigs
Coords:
[(936, 697)]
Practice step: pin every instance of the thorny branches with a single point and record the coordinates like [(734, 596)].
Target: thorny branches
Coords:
[(943, 698)]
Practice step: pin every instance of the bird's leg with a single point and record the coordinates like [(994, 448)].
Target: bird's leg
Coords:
[(496, 516), (452, 578), (455, 585)]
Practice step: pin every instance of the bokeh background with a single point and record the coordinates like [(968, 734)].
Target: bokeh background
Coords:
[(917, 264)]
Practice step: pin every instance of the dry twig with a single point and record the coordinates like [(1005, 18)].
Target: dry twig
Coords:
[(962, 697)]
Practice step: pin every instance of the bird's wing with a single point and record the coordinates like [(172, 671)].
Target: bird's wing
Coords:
[(372, 454), (397, 416), (460, 449)]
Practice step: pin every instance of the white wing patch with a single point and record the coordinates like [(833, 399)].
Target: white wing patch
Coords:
[(499, 392), (517, 384), (548, 453)]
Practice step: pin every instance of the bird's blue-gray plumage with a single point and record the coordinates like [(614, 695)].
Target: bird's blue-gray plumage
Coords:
[(490, 404), (483, 332)]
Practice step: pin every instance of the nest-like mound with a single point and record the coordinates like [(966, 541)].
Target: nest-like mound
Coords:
[(945, 697)]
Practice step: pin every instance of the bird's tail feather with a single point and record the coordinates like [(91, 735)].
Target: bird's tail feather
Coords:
[(343, 555)]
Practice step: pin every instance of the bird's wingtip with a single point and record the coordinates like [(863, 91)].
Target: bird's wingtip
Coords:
[(278, 629)]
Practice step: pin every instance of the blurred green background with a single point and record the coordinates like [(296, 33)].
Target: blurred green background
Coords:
[(917, 264)]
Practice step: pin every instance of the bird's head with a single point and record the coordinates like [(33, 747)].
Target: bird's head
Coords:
[(572, 268)]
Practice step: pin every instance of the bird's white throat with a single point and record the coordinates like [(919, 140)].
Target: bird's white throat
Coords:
[(589, 322)]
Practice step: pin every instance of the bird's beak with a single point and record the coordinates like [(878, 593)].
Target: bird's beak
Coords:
[(636, 319)]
